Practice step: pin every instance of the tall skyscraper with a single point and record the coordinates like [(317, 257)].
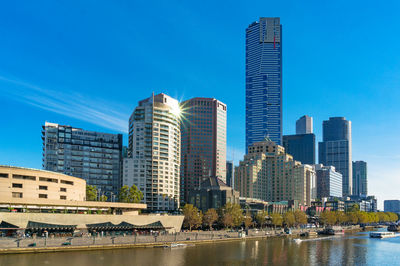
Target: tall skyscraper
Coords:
[(335, 150), (264, 81), (93, 156), (302, 145), (154, 151), (360, 178), (229, 173), (329, 182), (304, 125), (203, 142)]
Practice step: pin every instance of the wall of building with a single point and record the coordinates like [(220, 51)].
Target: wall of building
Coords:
[(16, 182)]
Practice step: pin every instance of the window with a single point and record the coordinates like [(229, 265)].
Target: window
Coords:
[(17, 185), (46, 179), (63, 189), (42, 196), (67, 182), (42, 187), (3, 175), (63, 197), (26, 177), (17, 195)]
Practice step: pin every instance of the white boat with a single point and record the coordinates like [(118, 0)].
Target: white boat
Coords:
[(382, 234), (177, 245)]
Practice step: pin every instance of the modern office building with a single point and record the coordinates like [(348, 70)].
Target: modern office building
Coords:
[(154, 152), (268, 173), (264, 81), (229, 173), (301, 147), (93, 156), (212, 193), (203, 152), (329, 182), (360, 182), (335, 150), (392, 206), (304, 125)]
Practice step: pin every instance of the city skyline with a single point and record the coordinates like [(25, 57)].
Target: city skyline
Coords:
[(61, 80)]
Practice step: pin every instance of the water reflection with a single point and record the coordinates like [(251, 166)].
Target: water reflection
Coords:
[(346, 250)]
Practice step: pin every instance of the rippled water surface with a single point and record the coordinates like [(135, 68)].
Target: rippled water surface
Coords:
[(357, 249)]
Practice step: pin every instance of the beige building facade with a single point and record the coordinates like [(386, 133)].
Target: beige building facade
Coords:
[(33, 184), (268, 173)]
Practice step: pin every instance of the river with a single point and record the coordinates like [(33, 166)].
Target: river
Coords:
[(349, 249)]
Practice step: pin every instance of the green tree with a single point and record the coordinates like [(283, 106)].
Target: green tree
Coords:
[(276, 219), (210, 217), (91, 193), (327, 218), (130, 194), (261, 217), (236, 213), (341, 217), (103, 198), (193, 217), (288, 219), (300, 217), (352, 217), (354, 208)]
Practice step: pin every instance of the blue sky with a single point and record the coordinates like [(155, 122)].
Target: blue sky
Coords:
[(88, 63)]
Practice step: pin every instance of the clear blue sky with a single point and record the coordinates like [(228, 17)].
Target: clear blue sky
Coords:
[(88, 63)]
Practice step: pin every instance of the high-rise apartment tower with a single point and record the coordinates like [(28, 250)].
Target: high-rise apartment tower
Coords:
[(154, 152)]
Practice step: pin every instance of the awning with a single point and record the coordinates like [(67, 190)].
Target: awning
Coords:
[(7, 226), (45, 226), (124, 226)]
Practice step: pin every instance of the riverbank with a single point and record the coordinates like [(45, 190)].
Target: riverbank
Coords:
[(41, 245)]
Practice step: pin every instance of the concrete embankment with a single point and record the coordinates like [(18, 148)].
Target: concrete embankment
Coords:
[(105, 243)]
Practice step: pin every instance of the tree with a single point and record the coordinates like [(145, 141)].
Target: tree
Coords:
[(276, 219), (261, 217), (103, 198), (300, 217), (289, 219), (130, 194), (227, 220), (352, 217), (209, 218), (91, 193), (341, 217), (354, 208), (247, 220), (236, 213), (193, 217), (327, 218)]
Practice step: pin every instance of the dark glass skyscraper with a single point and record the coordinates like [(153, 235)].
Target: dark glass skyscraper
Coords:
[(301, 147), (360, 178), (335, 149), (264, 81)]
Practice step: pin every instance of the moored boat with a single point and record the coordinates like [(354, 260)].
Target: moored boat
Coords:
[(381, 234)]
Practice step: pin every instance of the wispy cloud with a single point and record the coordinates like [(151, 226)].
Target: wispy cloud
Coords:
[(71, 104)]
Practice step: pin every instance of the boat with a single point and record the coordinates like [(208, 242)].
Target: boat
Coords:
[(327, 231), (382, 234), (393, 228), (176, 245)]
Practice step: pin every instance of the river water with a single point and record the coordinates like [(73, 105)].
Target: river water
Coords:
[(349, 249)]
